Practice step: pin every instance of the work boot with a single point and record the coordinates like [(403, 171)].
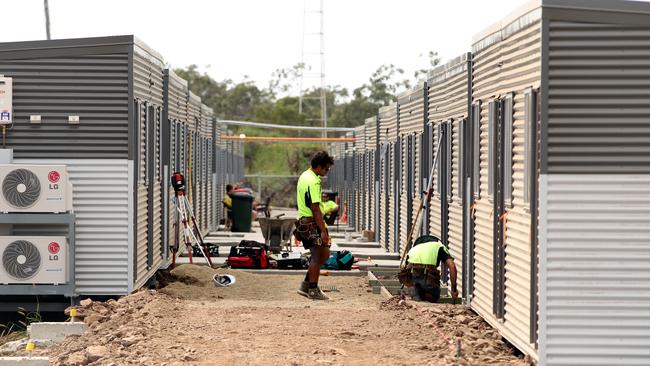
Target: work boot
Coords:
[(304, 289), (317, 294)]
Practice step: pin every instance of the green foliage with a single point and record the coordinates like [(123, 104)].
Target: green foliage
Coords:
[(15, 331)]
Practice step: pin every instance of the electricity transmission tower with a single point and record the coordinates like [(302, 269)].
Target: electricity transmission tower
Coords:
[(313, 60), (47, 19)]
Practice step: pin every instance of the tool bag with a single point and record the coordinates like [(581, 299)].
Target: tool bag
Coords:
[(339, 260), (248, 254)]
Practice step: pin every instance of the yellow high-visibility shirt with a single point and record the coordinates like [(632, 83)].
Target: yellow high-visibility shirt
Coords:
[(307, 192), (328, 207)]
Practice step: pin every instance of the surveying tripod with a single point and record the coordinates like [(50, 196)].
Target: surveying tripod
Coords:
[(191, 234)]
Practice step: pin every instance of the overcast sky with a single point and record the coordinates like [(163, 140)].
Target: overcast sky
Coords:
[(231, 39)]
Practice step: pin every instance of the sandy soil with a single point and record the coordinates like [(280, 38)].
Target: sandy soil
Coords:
[(261, 321)]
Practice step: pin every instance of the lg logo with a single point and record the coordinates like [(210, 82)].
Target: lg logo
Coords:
[(54, 178), (54, 248)]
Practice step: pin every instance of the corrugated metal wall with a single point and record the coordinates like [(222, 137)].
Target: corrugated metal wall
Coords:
[(147, 69), (370, 194), (359, 183), (92, 86), (411, 106), (448, 101), (101, 202), (595, 197), (388, 128), (507, 61), (177, 94)]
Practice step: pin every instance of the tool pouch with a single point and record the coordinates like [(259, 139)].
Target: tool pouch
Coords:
[(306, 229), (433, 278), (405, 276)]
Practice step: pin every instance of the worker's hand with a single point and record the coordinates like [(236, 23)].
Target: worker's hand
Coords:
[(454, 293), (325, 238)]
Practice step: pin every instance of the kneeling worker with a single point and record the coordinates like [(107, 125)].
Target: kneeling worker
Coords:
[(422, 263)]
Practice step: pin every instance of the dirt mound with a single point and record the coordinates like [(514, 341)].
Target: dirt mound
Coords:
[(463, 336)]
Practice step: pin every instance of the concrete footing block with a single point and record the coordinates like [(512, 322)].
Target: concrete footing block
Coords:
[(24, 361), (55, 331)]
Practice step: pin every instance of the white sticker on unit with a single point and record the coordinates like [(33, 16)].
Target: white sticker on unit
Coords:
[(73, 120), (6, 100)]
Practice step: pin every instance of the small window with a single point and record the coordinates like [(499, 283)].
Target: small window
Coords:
[(492, 119), (461, 160), (476, 148), (439, 164), (530, 123), (508, 117), (161, 143), (449, 147), (150, 141)]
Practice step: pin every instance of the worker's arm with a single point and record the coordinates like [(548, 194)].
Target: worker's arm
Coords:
[(318, 216), (453, 275)]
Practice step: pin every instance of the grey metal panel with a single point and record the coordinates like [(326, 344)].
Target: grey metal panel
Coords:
[(595, 189), (100, 201), (91, 86), (598, 110)]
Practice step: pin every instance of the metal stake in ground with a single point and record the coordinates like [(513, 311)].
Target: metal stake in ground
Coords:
[(417, 223), (191, 234)]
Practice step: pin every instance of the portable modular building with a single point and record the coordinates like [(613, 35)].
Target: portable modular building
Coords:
[(100, 104), (564, 154)]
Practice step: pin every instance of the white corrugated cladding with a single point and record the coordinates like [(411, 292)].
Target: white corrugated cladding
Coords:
[(411, 124), (148, 90), (382, 199), (371, 195), (359, 173), (177, 94), (506, 61), (595, 198), (104, 223), (208, 143), (448, 90), (435, 215), (388, 128), (193, 176)]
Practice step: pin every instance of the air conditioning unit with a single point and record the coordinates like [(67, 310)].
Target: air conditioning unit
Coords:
[(33, 260), (35, 188)]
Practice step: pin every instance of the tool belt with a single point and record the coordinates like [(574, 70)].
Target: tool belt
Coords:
[(307, 230), (429, 273)]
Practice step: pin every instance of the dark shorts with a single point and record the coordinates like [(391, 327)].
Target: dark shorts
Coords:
[(423, 291), (311, 242)]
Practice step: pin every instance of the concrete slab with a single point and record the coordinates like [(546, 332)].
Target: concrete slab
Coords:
[(24, 361), (55, 331)]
